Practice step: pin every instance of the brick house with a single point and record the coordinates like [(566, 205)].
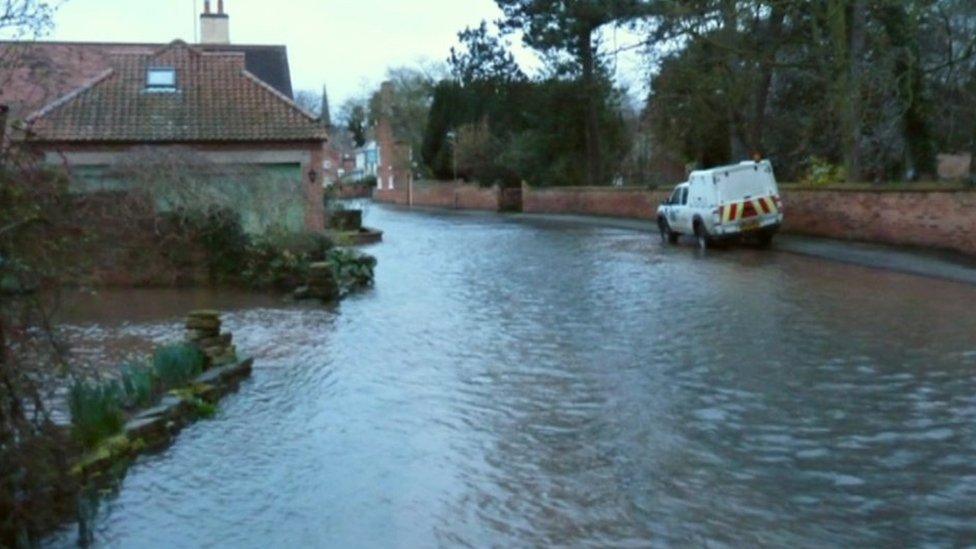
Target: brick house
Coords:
[(91, 106), (394, 171)]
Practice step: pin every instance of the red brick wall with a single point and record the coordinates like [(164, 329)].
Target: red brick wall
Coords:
[(443, 195), (391, 196), (353, 191), (936, 219), (314, 193), (395, 160), (928, 218), (437, 195), (628, 202)]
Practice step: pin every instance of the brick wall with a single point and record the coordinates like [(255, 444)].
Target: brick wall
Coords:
[(391, 196), (933, 218), (394, 169), (943, 219), (347, 191), (630, 202), (314, 193), (443, 195)]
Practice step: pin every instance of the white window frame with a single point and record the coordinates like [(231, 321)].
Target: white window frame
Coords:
[(154, 82)]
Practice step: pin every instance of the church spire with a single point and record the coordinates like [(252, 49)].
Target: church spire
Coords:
[(326, 115)]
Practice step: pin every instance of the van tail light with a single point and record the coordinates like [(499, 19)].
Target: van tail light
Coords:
[(779, 203), (717, 214)]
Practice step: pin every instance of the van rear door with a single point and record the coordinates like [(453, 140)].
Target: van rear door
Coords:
[(747, 194), (743, 183)]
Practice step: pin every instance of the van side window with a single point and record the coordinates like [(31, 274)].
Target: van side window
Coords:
[(675, 197), (684, 196)]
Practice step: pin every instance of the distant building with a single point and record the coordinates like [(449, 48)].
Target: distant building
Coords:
[(395, 156), (368, 160)]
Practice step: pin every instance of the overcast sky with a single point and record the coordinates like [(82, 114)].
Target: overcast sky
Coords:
[(346, 44)]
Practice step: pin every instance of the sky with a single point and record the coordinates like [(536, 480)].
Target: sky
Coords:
[(344, 44)]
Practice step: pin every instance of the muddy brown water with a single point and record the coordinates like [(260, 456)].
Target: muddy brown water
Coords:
[(536, 382)]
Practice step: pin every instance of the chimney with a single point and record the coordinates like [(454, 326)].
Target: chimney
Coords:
[(214, 27)]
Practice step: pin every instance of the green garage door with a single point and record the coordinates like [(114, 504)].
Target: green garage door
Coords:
[(264, 195)]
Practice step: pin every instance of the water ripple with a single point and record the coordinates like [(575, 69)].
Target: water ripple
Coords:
[(538, 383)]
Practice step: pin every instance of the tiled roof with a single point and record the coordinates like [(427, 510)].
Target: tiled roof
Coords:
[(216, 99), (32, 74)]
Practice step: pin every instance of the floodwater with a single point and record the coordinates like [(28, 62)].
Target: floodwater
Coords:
[(516, 382)]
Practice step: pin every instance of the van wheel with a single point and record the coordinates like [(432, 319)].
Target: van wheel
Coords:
[(701, 236), (765, 240), (667, 235)]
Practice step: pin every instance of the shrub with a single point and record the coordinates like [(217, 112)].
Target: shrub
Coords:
[(822, 173), (138, 386), (96, 412), (280, 259), (215, 233), (176, 365), (352, 269), (221, 234)]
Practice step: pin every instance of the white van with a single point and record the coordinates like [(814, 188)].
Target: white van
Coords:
[(725, 203)]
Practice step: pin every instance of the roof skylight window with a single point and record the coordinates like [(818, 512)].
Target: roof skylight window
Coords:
[(161, 80)]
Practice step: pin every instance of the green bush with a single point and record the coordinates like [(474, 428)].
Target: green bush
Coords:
[(138, 386), (177, 365), (96, 412), (353, 270), (280, 259), (221, 234), (216, 232), (822, 173)]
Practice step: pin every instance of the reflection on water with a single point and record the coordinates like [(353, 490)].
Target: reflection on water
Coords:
[(520, 383)]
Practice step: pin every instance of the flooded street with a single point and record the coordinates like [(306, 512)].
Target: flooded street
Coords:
[(518, 382)]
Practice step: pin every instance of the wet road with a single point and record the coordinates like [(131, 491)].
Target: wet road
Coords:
[(518, 382)]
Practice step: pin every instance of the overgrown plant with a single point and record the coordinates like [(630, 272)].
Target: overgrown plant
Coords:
[(178, 364), (280, 259), (352, 270), (138, 386), (96, 412), (218, 232), (36, 238), (822, 173)]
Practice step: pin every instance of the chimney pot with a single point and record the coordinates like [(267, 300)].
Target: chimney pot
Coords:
[(220, 6), (206, 7)]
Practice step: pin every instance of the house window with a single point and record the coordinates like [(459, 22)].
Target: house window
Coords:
[(161, 80)]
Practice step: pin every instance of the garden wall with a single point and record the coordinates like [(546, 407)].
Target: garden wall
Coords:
[(629, 202), (349, 191), (127, 245), (934, 217), (438, 194), (931, 218)]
